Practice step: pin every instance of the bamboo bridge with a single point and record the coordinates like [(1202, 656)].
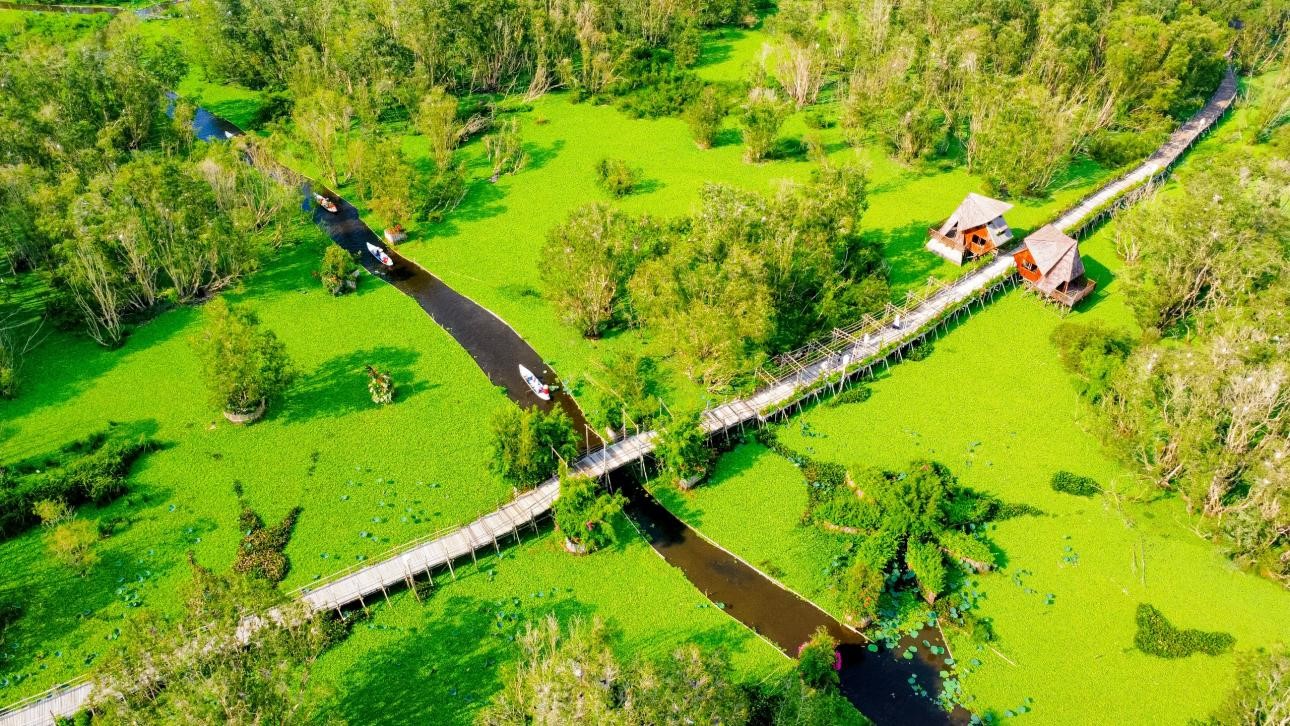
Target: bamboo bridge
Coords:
[(792, 379)]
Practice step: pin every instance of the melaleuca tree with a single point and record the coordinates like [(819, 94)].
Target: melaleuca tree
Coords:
[(585, 513), (563, 675), (244, 366), (763, 114), (689, 685), (588, 260), (529, 444), (201, 668)]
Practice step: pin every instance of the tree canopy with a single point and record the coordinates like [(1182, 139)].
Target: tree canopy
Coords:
[(1198, 404)]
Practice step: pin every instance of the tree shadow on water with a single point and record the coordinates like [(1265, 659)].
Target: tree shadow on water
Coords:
[(54, 602), (911, 263), (1104, 278), (339, 386), (447, 667), (540, 156), (727, 137)]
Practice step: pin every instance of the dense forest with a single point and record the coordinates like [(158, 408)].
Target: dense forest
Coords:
[(85, 127), (1199, 403), (104, 191)]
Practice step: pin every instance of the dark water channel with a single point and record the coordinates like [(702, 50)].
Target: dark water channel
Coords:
[(495, 346), (876, 682)]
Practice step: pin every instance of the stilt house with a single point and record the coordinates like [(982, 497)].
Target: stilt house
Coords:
[(976, 228), (1049, 261)]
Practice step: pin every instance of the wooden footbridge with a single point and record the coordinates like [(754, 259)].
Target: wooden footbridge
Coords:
[(792, 378)]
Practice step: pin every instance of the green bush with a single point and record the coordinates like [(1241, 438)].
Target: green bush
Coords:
[(704, 116), (855, 394), (260, 553), (919, 352), (337, 273), (584, 512), (617, 177), (93, 469), (817, 120), (1080, 486), (1092, 353), (653, 86), (816, 658), (1114, 148), (824, 481), (1157, 636), (682, 449), (437, 192)]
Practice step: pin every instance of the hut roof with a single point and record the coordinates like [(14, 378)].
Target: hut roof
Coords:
[(976, 210), (1056, 255)]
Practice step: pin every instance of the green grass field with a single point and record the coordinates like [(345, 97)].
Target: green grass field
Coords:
[(994, 404), (438, 661)]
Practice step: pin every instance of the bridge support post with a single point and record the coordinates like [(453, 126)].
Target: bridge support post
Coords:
[(429, 570), (410, 580), (448, 559)]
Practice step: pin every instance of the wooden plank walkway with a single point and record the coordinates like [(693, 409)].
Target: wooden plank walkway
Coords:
[(362, 584), (1075, 219)]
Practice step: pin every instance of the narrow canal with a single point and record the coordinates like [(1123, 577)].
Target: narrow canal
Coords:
[(880, 683), (495, 346)]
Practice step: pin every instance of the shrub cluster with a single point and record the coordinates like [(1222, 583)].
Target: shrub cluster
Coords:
[(920, 352), (337, 273), (92, 469), (617, 177), (816, 660), (855, 394), (1157, 636), (656, 87), (260, 553), (1080, 486)]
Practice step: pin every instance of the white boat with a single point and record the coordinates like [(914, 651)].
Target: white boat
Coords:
[(539, 388), (380, 255), (325, 203)]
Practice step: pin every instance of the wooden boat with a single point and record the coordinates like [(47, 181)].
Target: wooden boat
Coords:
[(539, 388), (325, 203), (380, 255)]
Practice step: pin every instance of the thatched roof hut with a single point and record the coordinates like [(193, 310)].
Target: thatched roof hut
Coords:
[(976, 228), (1049, 261)]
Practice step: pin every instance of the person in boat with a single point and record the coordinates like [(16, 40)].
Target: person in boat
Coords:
[(325, 203)]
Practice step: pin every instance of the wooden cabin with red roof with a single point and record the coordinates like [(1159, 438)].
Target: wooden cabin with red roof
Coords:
[(1049, 261), (976, 228)]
